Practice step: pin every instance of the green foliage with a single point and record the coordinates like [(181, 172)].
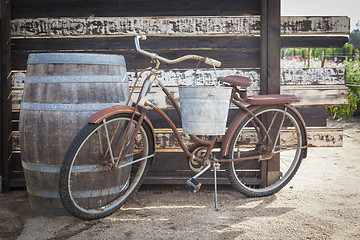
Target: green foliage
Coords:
[(291, 52), (348, 50), (329, 53), (347, 57), (339, 53), (353, 81), (356, 54), (317, 53), (344, 112)]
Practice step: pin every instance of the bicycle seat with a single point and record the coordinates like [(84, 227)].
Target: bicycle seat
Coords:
[(236, 80)]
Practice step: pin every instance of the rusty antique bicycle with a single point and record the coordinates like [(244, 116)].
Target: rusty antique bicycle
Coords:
[(260, 150)]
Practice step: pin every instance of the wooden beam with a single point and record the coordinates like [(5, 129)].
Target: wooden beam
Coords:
[(312, 76), (245, 58), (127, 43), (270, 75), (169, 167), (5, 94), (130, 8), (207, 76), (313, 41), (319, 95), (312, 25), (314, 86), (156, 43), (316, 95), (270, 47), (166, 140), (177, 25)]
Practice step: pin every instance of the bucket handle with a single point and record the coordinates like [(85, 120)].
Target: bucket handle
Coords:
[(197, 67)]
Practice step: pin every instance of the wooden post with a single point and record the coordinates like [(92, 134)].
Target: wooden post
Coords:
[(270, 72), (270, 47), (5, 93)]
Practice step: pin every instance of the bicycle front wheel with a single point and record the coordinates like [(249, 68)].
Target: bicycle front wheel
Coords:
[(90, 186), (259, 178)]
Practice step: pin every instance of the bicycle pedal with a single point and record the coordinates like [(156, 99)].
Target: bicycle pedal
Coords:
[(193, 185)]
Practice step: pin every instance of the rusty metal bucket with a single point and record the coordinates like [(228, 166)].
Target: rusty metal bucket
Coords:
[(204, 109)]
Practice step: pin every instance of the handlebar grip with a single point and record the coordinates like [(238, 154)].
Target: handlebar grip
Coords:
[(212, 62)]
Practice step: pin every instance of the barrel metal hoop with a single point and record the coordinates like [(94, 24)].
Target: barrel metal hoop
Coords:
[(34, 167), (76, 79), (76, 58), (67, 107), (40, 167), (84, 194)]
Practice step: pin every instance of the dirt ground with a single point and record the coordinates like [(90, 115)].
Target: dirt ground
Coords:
[(321, 202)]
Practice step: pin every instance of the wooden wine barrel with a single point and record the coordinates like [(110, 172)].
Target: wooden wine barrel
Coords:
[(61, 91)]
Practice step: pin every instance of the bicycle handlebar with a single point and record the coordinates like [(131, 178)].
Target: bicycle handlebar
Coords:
[(206, 60)]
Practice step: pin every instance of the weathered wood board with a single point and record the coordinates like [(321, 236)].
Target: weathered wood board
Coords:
[(319, 95), (166, 140), (176, 77), (314, 86), (184, 25), (310, 96)]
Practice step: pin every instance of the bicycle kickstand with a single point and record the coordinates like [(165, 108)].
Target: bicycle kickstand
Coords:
[(216, 167)]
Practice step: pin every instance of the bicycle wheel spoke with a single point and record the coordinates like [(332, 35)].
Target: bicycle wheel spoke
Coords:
[(272, 122), (108, 142), (100, 144), (284, 148)]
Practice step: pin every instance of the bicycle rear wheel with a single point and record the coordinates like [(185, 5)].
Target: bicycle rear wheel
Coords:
[(90, 187), (258, 178)]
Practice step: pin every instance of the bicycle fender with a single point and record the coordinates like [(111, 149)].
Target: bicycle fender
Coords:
[(107, 112), (231, 130)]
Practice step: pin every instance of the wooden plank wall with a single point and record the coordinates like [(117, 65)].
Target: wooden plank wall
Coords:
[(226, 30)]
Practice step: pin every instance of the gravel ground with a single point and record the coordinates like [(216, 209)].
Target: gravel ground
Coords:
[(321, 202)]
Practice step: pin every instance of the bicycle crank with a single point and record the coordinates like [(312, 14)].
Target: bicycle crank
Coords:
[(193, 184)]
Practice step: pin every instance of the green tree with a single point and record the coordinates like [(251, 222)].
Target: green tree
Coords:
[(348, 50), (318, 52), (329, 53), (339, 53), (354, 37)]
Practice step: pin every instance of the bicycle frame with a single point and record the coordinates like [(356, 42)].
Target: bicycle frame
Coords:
[(142, 105), (118, 145)]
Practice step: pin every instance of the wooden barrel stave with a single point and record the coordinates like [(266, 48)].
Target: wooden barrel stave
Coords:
[(58, 99)]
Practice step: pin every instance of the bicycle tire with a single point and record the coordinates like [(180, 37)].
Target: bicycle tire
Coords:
[(249, 177), (88, 185)]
